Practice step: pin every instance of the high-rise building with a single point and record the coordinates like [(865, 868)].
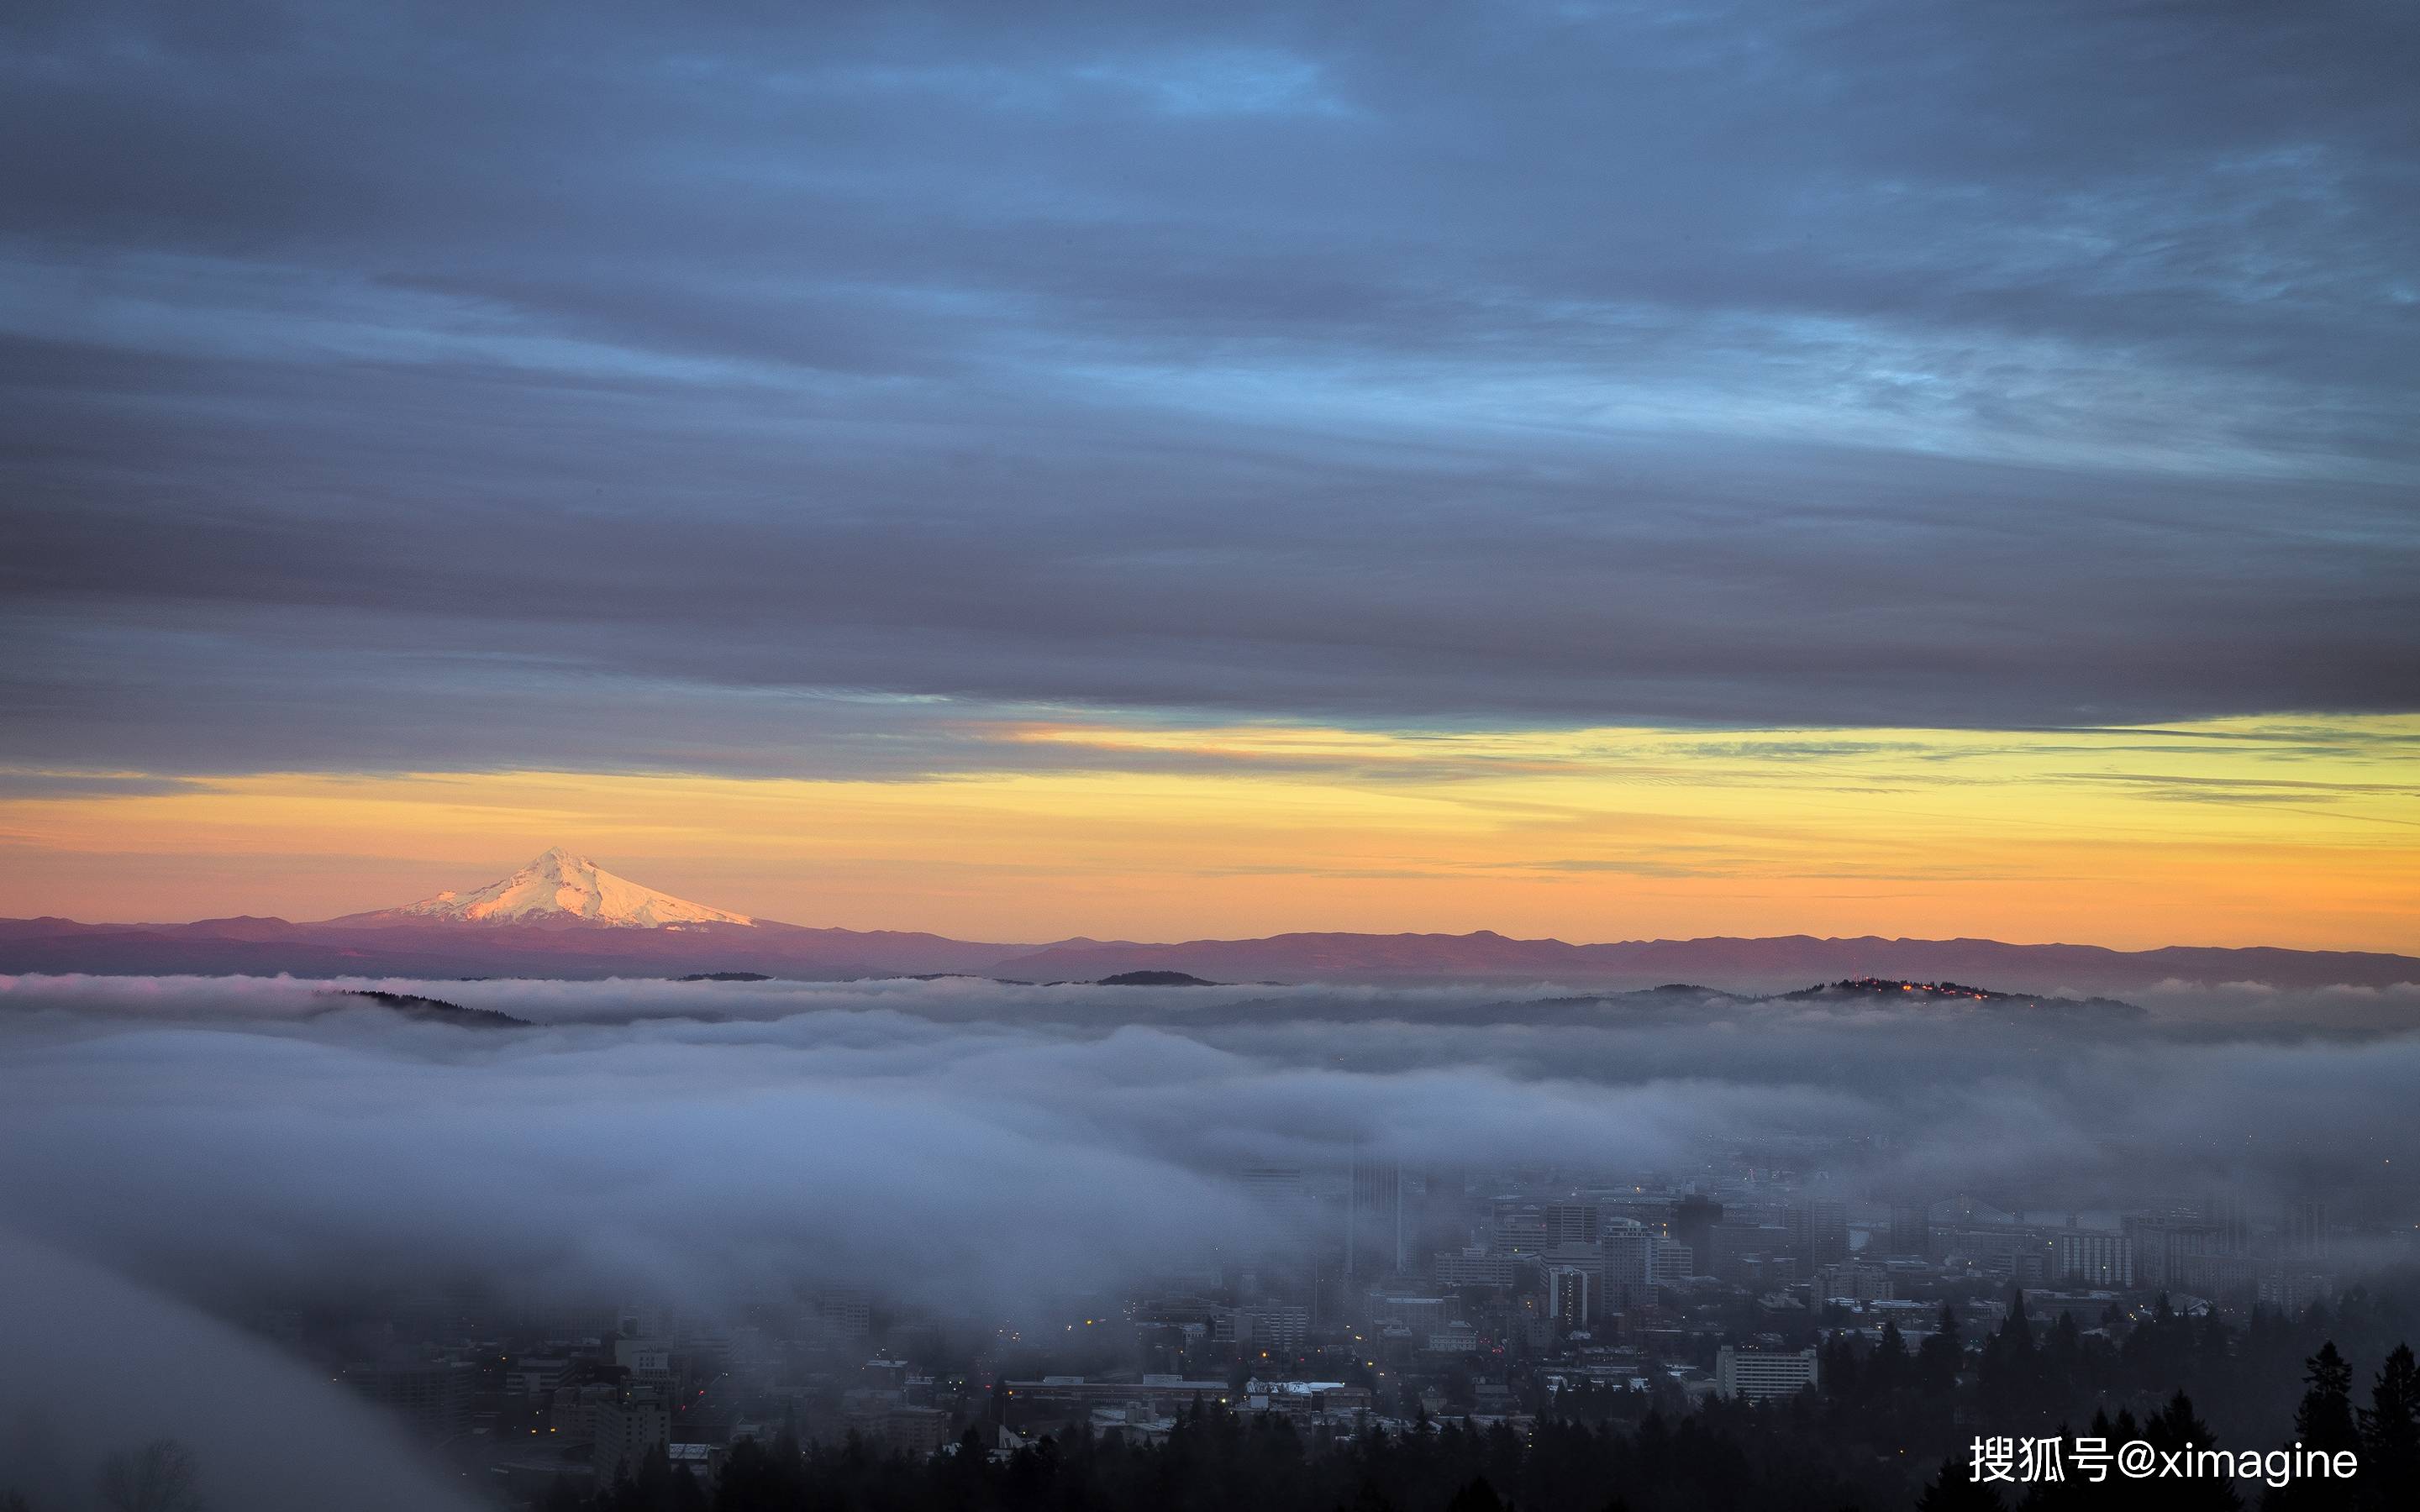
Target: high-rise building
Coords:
[(1670, 1262), (914, 1431), (1571, 1296), (842, 1317), (1377, 1237), (1279, 1194), (1818, 1232), (1755, 1375), (1278, 1186), (2228, 1217), (1911, 1229), (2306, 1231), (2292, 1289), (1693, 1221), (624, 1427), (1629, 1254), (433, 1396), (1743, 1254), (2095, 1259), (2163, 1242), (1272, 1328), (1571, 1223), (1444, 1208)]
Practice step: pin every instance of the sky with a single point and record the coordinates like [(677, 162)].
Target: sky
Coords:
[(1596, 471)]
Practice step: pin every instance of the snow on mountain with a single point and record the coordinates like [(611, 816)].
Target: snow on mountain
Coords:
[(560, 886)]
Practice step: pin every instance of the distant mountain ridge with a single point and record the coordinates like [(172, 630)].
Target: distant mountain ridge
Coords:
[(563, 916)]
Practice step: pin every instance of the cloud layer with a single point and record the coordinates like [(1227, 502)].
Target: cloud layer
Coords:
[(235, 1140), (425, 388), (105, 1366)]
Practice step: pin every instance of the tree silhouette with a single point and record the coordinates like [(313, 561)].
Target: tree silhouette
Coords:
[(2325, 1421), (1954, 1490), (2390, 1432)]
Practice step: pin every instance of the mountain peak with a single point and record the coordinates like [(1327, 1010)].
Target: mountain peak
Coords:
[(560, 887)]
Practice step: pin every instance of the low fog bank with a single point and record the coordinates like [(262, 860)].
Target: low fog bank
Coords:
[(98, 1367), (954, 1141)]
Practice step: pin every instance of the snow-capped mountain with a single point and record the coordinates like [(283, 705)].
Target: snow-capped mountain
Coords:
[(561, 888)]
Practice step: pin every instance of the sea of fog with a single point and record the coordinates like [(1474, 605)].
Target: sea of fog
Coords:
[(171, 1147)]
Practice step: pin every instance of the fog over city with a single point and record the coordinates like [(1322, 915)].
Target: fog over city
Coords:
[(250, 1138), (217, 1180)]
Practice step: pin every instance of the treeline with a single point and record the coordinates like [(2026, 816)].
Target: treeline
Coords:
[(1215, 1461), (1786, 1456), (1890, 1429)]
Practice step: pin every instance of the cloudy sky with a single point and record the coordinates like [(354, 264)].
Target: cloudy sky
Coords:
[(1602, 470)]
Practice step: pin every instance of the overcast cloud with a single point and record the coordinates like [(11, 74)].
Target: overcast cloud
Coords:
[(707, 389)]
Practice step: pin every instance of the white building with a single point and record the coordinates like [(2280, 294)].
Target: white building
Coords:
[(2096, 1259), (1756, 1375)]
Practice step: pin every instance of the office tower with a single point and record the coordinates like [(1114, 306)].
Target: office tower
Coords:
[(1693, 1222), (433, 1396), (2228, 1217), (1278, 1186), (625, 1428), (1670, 1262), (2306, 1231), (1818, 1232), (1629, 1254), (1911, 1229), (1444, 1214), (1571, 1296), (2096, 1259), (1376, 1237), (1749, 1253), (1571, 1223), (1277, 1192)]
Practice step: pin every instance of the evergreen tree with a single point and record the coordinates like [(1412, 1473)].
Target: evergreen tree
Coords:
[(1954, 1490), (1886, 1372), (1937, 1359), (2176, 1428), (2062, 1363), (2390, 1432), (1476, 1497), (2009, 1375), (2325, 1421)]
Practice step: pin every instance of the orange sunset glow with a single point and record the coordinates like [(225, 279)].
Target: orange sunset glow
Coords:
[(2288, 832)]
